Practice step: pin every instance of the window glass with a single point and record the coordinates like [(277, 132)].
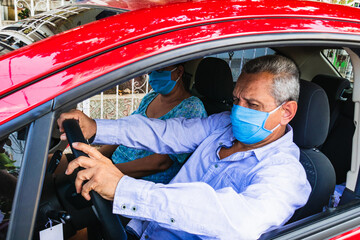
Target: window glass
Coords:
[(11, 156), (340, 59), (237, 59)]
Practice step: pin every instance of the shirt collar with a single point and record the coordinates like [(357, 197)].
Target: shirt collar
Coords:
[(259, 153), (286, 139)]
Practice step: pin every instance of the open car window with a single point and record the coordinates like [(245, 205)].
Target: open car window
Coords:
[(341, 61), (117, 102)]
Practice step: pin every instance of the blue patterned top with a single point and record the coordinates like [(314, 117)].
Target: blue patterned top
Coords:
[(191, 107)]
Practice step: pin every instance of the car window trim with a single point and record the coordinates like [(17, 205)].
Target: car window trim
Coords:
[(320, 226), (30, 180), (25, 118)]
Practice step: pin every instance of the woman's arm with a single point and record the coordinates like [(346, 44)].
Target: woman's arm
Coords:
[(107, 150), (145, 166)]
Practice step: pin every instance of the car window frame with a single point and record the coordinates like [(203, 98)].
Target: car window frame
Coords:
[(75, 95), (30, 180), (327, 224)]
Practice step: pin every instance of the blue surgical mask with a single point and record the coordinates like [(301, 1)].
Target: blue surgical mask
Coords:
[(161, 82), (249, 124)]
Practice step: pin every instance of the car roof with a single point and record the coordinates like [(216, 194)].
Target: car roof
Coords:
[(130, 4), (36, 62)]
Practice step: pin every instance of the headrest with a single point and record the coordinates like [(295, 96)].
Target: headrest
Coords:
[(333, 86), (213, 79), (311, 122)]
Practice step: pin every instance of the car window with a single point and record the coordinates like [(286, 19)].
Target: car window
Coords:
[(117, 102), (122, 100), (237, 59), (340, 59), (47, 24), (11, 156)]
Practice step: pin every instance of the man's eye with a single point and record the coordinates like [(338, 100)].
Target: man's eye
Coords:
[(253, 105)]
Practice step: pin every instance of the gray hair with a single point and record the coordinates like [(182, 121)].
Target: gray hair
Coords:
[(286, 85)]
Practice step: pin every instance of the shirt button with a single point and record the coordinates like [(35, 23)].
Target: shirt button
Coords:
[(216, 165), (146, 236), (123, 207), (134, 208), (172, 220), (220, 143)]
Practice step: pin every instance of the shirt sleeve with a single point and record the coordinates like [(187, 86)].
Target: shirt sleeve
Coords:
[(191, 108), (171, 136), (269, 201)]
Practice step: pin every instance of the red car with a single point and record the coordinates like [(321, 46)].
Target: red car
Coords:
[(41, 80)]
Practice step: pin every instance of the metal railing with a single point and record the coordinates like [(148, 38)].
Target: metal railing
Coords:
[(120, 103), (34, 6)]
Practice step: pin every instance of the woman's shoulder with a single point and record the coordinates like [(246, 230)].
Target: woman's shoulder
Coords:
[(194, 102), (145, 101), (192, 107), (149, 96)]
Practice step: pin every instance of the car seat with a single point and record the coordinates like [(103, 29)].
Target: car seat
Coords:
[(310, 125), (334, 88), (338, 145), (214, 85)]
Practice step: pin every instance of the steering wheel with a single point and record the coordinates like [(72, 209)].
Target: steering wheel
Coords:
[(111, 223)]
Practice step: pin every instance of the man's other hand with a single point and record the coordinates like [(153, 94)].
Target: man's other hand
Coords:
[(102, 175), (87, 125)]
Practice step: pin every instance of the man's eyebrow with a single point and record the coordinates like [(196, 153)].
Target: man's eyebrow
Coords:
[(252, 100)]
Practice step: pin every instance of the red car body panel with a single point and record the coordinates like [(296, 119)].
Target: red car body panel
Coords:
[(92, 50), (64, 49), (350, 235), (38, 93)]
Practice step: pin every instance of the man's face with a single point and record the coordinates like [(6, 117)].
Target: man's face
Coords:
[(254, 91)]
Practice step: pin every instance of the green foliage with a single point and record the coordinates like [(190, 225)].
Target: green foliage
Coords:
[(24, 13), (6, 162)]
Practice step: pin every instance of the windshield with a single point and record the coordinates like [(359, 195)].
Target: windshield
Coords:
[(50, 23)]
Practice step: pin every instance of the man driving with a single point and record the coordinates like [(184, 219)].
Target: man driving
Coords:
[(244, 177)]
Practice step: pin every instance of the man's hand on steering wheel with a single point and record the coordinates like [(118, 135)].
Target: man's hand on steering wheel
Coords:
[(87, 125), (99, 171), (102, 175)]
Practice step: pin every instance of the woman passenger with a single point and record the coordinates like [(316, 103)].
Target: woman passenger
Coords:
[(169, 99)]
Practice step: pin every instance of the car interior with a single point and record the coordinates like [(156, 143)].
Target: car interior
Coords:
[(324, 127)]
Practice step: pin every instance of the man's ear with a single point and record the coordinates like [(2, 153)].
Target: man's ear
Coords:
[(289, 111)]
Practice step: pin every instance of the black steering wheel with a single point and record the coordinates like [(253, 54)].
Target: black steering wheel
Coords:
[(111, 223)]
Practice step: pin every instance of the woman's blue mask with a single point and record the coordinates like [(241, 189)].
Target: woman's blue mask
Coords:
[(161, 82), (249, 124)]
